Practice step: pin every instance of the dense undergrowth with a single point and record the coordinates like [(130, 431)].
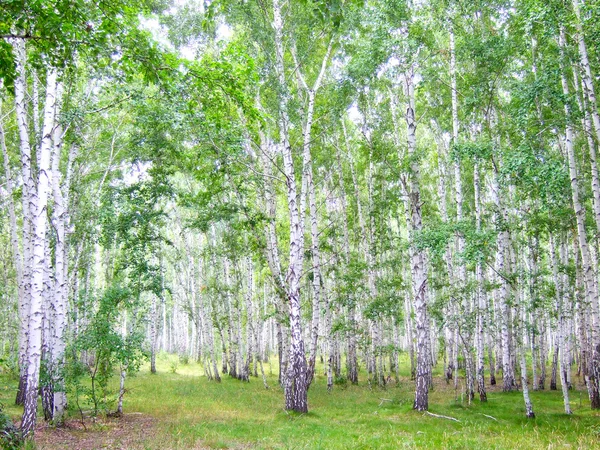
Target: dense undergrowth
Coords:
[(188, 411)]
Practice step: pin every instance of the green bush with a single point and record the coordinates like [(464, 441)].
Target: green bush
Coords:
[(10, 437)]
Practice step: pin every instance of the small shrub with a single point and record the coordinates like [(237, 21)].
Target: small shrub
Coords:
[(174, 367), (10, 437), (340, 381), (10, 366)]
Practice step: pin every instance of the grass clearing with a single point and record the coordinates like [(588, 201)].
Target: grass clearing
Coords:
[(183, 410)]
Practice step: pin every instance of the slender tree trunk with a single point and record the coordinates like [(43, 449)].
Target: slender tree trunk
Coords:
[(60, 288), (491, 360), (528, 405), (508, 376), (308, 187), (27, 197), (559, 294), (591, 293), (122, 377), (418, 261), (153, 333), (37, 279), (351, 360), (209, 327), (543, 353), (554, 369), (296, 398), (481, 300)]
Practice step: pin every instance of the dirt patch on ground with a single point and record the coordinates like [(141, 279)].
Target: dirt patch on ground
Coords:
[(130, 431)]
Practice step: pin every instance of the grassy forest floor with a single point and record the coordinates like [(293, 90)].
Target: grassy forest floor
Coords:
[(183, 410)]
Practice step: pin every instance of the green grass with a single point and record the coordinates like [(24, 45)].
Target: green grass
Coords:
[(191, 412)]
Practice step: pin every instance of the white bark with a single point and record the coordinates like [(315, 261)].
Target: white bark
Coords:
[(295, 383), (60, 294), (502, 257), (480, 293), (560, 327), (528, 405), (39, 240), (20, 86), (591, 293), (14, 236), (308, 187), (418, 259)]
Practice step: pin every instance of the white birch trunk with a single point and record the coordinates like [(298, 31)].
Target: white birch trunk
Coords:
[(591, 293), (295, 383), (20, 86), (528, 405), (60, 300), (14, 235), (508, 376), (481, 296), (418, 260), (37, 277)]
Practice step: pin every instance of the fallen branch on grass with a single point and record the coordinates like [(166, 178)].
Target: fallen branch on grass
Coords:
[(385, 400), (490, 417), (441, 417)]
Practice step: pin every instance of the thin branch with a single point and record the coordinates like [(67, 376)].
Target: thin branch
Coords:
[(439, 416)]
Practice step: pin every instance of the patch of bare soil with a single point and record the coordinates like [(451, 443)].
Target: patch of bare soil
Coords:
[(129, 431)]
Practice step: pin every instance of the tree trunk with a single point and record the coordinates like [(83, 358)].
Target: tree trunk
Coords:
[(508, 376), (418, 261), (480, 293), (37, 277), (27, 198), (296, 398), (528, 405), (559, 294), (591, 293), (308, 187)]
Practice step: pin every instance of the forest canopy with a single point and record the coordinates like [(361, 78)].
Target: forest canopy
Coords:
[(379, 193)]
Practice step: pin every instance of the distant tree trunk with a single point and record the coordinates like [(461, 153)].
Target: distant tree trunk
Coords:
[(60, 222), (281, 353), (351, 360), (250, 341), (532, 262), (231, 328), (165, 328), (559, 293), (253, 341), (153, 333), (491, 361), (210, 337), (16, 251), (528, 405), (508, 376), (376, 369), (449, 325), (480, 293), (410, 336), (582, 322), (330, 349), (591, 293), (543, 353), (461, 275), (224, 363)]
